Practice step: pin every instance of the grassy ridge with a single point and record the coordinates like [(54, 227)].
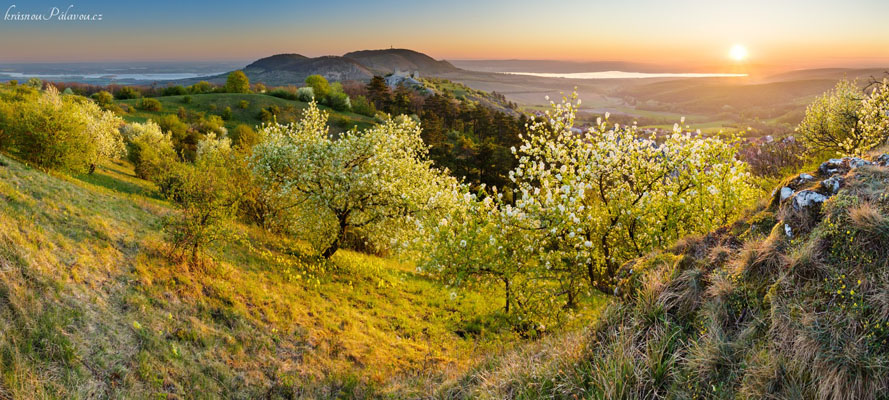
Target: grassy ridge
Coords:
[(215, 103), (90, 306)]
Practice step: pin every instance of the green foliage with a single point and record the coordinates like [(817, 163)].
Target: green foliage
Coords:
[(874, 114), (226, 114), (186, 99), (468, 138), (339, 101), (149, 104), (320, 86), (34, 83), (126, 93), (243, 104), (305, 94), (53, 131), (237, 82), (206, 197), (244, 136), (364, 107), (150, 151), (103, 98), (834, 121), (201, 87), (177, 90), (376, 181)]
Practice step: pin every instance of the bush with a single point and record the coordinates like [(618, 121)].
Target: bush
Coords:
[(150, 151), (186, 100), (35, 83), (126, 93), (206, 197), (237, 82), (269, 113), (226, 114), (68, 133), (774, 158), (283, 94), (149, 104), (305, 94), (874, 114), (320, 86), (364, 107), (244, 136), (201, 87), (243, 104), (339, 101), (831, 122), (177, 90), (103, 98)]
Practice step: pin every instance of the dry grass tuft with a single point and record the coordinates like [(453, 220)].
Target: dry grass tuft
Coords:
[(869, 219), (760, 260)]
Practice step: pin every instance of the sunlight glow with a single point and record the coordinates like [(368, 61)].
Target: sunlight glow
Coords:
[(738, 52)]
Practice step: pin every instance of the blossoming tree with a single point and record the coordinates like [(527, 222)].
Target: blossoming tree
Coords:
[(584, 203), (377, 181)]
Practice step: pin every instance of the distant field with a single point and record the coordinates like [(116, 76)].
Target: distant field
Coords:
[(215, 103), (772, 105)]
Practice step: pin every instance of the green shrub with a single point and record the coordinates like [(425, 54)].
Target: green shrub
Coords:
[(186, 100), (177, 90), (126, 93), (833, 122), (360, 105), (35, 83), (103, 98), (227, 114), (67, 133), (320, 86), (243, 104), (283, 93), (237, 82), (149, 104), (244, 136), (150, 150), (305, 94), (339, 101), (201, 87), (206, 197)]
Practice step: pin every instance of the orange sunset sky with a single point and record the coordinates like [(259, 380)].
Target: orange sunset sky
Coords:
[(689, 33)]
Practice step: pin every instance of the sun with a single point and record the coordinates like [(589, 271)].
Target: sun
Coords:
[(738, 52)]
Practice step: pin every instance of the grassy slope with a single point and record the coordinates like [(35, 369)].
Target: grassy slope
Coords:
[(90, 307), (743, 312), (202, 103)]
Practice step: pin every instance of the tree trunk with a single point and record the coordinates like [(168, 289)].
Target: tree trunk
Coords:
[(92, 169), (508, 294), (333, 247)]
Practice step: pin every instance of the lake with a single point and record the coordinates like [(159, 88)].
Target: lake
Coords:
[(624, 75)]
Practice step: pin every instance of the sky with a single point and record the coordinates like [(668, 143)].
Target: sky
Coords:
[(789, 33)]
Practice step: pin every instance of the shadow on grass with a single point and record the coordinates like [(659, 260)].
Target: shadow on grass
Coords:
[(104, 176)]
